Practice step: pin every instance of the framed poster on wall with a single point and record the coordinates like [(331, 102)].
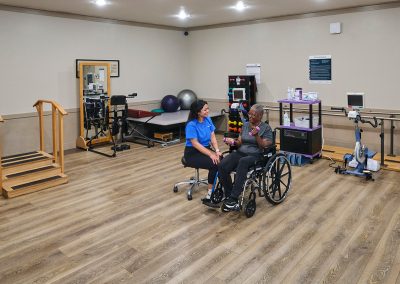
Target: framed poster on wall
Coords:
[(320, 69), (114, 66)]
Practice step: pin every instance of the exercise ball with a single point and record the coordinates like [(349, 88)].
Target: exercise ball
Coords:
[(170, 103), (186, 98)]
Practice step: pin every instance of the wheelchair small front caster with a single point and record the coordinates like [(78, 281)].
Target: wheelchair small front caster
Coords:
[(250, 208), (217, 195), (175, 189), (189, 197)]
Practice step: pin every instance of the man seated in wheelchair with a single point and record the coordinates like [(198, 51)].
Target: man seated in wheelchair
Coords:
[(254, 138)]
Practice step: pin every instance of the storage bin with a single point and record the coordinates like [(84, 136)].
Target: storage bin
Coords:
[(304, 121)]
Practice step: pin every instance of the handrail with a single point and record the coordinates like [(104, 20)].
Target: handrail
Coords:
[(333, 113), (330, 110), (53, 103), (58, 132), (1, 152), (341, 114)]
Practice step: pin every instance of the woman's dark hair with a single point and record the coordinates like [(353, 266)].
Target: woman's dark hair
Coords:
[(195, 108)]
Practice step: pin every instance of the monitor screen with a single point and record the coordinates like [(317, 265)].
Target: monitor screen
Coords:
[(355, 101), (238, 94)]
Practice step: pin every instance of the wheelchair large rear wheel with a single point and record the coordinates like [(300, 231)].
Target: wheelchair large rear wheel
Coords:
[(277, 178)]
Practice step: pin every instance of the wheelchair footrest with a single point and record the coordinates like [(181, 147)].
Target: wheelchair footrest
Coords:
[(209, 203)]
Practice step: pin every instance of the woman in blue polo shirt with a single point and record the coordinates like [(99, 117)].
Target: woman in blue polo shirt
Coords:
[(200, 137)]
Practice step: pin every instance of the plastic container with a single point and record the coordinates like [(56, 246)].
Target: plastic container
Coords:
[(290, 93), (304, 121), (286, 119), (298, 94)]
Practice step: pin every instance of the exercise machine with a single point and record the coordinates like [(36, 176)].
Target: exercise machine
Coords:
[(96, 115), (359, 158), (118, 121)]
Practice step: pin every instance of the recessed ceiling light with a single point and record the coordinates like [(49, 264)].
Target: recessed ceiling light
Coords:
[(183, 15), (100, 2), (240, 6)]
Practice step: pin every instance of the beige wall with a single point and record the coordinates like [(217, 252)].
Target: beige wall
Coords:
[(365, 57), (20, 133), (40, 52), (38, 55), (38, 59)]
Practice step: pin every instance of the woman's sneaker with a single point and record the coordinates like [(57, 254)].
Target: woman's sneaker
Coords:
[(207, 197)]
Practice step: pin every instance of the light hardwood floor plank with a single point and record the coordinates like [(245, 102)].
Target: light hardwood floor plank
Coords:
[(118, 221)]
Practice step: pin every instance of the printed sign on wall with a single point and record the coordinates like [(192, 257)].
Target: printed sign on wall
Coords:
[(320, 69)]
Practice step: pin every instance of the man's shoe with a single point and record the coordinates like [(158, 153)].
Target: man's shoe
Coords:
[(224, 209), (230, 204)]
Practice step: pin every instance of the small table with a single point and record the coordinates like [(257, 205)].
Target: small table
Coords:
[(306, 141)]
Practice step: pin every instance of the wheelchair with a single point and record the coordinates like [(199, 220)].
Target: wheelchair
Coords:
[(270, 177)]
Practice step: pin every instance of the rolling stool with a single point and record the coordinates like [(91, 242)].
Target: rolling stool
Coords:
[(193, 181)]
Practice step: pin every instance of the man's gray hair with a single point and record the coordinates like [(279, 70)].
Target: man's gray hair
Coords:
[(259, 109)]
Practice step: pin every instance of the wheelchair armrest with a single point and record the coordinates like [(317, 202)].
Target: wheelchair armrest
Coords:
[(226, 153), (269, 151)]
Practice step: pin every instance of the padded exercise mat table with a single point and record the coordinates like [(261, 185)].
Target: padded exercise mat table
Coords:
[(166, 121)]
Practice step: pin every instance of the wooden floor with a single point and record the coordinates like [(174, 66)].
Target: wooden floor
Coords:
[(117, 220)]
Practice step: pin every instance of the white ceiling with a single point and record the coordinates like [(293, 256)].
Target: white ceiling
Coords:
[(203, 12)]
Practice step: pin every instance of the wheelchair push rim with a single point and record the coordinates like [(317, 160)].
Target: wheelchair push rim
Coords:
[(277, 179)]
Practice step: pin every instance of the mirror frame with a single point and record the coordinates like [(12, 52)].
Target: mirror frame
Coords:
[(82, 141)]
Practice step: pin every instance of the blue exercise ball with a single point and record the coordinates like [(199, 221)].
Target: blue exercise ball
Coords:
[(186, 98), (170, 103)]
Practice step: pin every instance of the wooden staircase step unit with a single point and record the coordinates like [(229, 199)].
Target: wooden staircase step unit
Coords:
[(27, 164), (19, 155), (31, 174), (22, 158), (26, 158), (35, 185)]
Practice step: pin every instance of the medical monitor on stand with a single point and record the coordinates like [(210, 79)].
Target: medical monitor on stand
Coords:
[(238, 94), (355, 101)]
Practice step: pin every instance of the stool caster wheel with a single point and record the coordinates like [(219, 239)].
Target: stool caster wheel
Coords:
[(189, 197), (175, 189)]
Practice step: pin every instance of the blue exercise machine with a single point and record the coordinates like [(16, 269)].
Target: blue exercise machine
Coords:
[(361, 153)]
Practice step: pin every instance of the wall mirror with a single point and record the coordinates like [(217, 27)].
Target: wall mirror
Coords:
[(94, 94)]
